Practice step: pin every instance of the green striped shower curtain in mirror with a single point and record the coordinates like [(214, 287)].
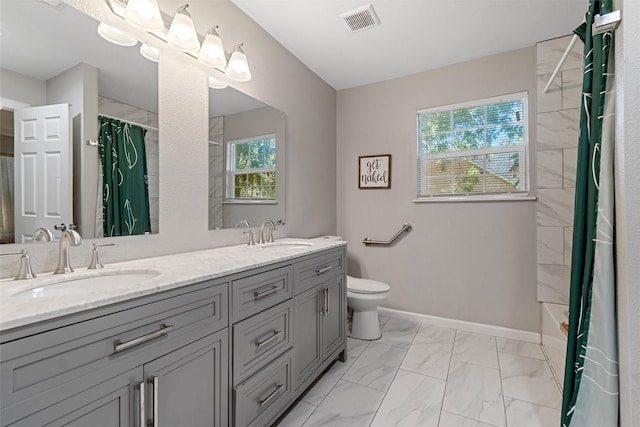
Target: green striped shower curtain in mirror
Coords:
[(125, 192)]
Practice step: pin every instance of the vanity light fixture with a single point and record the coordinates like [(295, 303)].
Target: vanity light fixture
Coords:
[(216, 84), (144, 14), (182, 32), (212, 52), (238, 67), (150, 52), (115, 36)]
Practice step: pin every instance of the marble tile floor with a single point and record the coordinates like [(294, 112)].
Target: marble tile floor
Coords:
[(422, 375)]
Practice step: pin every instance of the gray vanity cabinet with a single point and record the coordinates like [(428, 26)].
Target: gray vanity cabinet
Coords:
[(307, 351), (89, 369), (111, 403), (334, 317), (185, 387), (320, 316), (231, 351)]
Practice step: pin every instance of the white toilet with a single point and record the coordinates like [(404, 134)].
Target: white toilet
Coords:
[(364, 296)]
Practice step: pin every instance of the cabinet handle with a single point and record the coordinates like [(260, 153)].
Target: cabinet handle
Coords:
[(271, 395), (154, 382), (324, 269), (326, 292), (121, 346), (142, 405), (266, 341), (258, 295), (325, 309)]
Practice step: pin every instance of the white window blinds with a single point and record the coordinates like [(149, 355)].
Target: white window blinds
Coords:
[(474, 148), (251, 168)]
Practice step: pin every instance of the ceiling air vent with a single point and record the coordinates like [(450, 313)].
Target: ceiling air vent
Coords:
[(361, 18)]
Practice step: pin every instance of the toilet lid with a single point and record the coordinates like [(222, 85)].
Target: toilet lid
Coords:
[(365, 286)]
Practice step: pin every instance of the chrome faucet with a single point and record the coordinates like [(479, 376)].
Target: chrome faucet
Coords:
[(69, 237), (42, 234), (244, 222), (272, 226), (96, 262), (24, 271)]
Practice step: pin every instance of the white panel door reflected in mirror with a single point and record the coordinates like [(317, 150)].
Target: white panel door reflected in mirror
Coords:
[(54, 55)]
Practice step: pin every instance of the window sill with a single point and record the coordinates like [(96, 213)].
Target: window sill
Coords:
[(466, 199), (249, 202)]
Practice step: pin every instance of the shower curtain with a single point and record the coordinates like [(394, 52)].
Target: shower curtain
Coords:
[(7, 230), (590, 396), (125, 192)]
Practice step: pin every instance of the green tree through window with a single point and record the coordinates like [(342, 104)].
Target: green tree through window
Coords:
[(251, 168), (476, 148)]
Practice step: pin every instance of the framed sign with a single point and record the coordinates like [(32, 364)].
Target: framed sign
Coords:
[(374, 171)]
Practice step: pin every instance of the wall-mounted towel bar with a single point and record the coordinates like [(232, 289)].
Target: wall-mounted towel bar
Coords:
[(405, 227)]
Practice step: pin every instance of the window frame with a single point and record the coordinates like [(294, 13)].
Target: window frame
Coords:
[(230, 148), (524, 149)]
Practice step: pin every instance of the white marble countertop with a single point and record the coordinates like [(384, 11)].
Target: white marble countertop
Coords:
[(23, 302)]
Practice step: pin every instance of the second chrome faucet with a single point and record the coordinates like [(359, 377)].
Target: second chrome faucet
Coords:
[(69, 237)]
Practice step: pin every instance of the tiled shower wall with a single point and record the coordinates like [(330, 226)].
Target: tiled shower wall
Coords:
[(558, 118), (130, 113), (216, 171)]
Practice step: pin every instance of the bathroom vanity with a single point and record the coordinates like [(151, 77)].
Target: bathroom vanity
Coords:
[(228, 336)]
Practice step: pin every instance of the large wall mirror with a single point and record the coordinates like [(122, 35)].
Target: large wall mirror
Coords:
[(63, 88), (246, 160)]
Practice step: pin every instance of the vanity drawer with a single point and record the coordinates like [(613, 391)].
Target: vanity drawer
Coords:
[(260, 339), (313, 271), (40, 363), (255, 293), (260, 399)]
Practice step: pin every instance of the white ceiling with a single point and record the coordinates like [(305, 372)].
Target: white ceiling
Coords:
[(414, 35)]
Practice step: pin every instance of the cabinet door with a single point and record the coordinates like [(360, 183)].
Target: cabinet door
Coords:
[(113, 403), (189, 386), (333, 319), (307, 352)]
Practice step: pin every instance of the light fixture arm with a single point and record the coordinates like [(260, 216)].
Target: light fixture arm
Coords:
[(183, 9)]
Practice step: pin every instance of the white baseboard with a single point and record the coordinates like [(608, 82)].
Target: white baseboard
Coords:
[(480, 328)]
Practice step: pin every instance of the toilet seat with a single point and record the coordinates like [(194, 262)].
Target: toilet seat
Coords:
[(366, 286)]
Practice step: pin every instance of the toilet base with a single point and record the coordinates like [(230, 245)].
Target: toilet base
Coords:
[(365, 325)]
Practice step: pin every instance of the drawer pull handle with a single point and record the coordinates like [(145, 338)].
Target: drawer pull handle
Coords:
[(121, 346), (258, 295), (324, 269), (260, 344), (271, 396)]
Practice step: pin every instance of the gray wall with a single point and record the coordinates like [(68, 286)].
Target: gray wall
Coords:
[(472, 261), (280, 80), (20, 88), (628, 208)]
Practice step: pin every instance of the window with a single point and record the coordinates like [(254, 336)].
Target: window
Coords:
[(251, 168), (474, 148)]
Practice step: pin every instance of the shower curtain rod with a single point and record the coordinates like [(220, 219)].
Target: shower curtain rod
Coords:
[(130, 122), (601, 24)]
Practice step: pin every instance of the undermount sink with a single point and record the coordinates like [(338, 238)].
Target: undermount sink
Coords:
[(286, 244), (87, 283)]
